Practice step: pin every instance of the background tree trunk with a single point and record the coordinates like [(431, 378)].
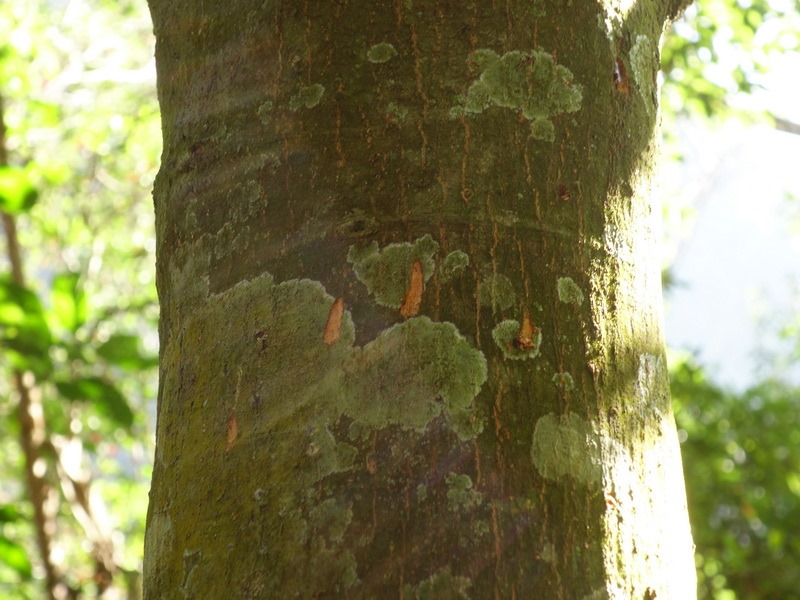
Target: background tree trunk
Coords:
[(411, 304)]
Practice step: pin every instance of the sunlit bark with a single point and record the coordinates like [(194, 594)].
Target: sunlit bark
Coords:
[(411, 306)]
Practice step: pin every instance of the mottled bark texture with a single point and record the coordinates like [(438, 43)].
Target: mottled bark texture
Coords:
[(411, 331)]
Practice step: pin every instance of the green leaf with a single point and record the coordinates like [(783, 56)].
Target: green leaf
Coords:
[(9, 513), (69, 301), (102, 394), (14, 555), (17, 193), (23, 328), (122, 350)]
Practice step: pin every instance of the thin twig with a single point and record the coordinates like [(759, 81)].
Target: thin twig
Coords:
[(31, 424)]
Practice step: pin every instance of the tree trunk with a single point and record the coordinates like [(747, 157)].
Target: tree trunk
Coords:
[(411, 304)]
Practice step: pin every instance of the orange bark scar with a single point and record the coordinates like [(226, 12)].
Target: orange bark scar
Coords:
[(413, 298), (233, 432), (331, 334), (372, 465), (620, 76), (526, 333)]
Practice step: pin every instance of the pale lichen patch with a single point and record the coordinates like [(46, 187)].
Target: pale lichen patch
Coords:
[(644, 65), (386, 272), (308, 392), (191, 560), (404, 373), (528, 82), (548, 553), (422, 492), (497, 292), (441, 585), (568, 291), (330, 455), (307, 96), (460, 493), (246, 199), (397, 112), (453, 264), (567, 446), (564, 381), (265, 112), (543, 129), (381, 53), (331, 519), (410, 374)]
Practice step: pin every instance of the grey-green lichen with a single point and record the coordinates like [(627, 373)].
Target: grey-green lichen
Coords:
[(307, 96), (568, 291), (397, 112), (191, 560), (330, 455), (509, 218), (529, 82), (246, 199), (505, 335), (298, 393), (567, 446), (330, 519), (265, 112), (644, 65), (269, 159), (460, 493), (497, 292), (410, 374), (386, 273), (452, 265), (564, 381), (433, 369), (422, 492), (380, 53), (440, 586), (548, 553)]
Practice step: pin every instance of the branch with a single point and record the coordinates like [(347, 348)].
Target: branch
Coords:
[(87, 508), (31, 425), (675, 8), (787, 126)]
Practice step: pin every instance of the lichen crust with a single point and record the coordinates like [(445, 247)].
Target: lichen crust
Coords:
[(527, 82), (505, 335), (386, 272)]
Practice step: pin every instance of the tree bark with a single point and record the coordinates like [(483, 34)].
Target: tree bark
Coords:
[(411, 304)]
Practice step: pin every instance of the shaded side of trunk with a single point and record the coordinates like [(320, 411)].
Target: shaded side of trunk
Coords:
[(411, 340)]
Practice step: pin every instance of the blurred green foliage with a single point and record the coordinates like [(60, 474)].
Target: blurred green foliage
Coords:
[(720, 49), (741, 455), (83, 140)]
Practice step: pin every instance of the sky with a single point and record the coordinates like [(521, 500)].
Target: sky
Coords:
[(737, 265)]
